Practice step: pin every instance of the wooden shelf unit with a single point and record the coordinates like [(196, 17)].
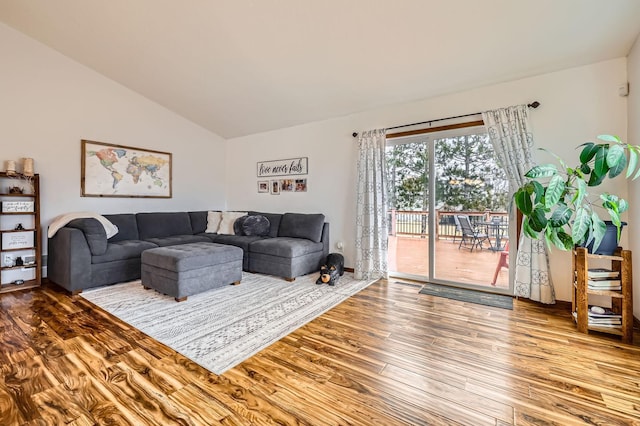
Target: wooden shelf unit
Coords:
[(6, 227), (621, 300)]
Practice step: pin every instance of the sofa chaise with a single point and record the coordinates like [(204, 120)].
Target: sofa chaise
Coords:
[(80, 255)]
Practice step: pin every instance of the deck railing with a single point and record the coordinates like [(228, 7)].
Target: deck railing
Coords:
[(405, 222)]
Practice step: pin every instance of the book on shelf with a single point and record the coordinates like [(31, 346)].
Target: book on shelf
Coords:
[(604, 283), (608, 312), (606, 288), (602, 273), (601, 322)]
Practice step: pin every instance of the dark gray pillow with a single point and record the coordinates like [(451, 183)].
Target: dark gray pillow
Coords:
[(94, 233), (237, 225), (256, 225), (300, 225)]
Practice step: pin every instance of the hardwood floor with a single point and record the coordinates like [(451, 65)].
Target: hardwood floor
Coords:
[(386, 356)]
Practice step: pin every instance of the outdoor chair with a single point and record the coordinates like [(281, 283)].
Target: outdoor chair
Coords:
[(458, 228), (471, 237), (503, 262)]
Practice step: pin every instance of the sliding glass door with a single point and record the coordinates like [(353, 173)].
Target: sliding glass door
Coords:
[(448, 210)]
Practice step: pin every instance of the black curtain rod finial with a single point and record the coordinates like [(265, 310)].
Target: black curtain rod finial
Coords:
[(354, 134), (534, 104)]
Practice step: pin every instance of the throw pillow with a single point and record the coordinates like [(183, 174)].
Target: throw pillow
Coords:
[(228, 219), (237, 225), (213, 222), (256, 225)]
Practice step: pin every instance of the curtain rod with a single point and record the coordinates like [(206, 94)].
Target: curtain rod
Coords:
[(534, 105)]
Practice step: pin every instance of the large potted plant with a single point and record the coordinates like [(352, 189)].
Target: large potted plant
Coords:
[(556, 201)]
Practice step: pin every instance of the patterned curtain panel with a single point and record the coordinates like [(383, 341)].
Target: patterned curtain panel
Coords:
[(371, 208), (512, 141)]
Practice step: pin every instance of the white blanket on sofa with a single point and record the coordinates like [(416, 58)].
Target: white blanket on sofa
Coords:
[(60, 221)]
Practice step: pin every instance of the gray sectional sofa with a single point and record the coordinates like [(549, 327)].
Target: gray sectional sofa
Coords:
[(80, 256)]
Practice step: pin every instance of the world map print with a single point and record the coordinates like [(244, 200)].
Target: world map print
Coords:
[(112, 170)]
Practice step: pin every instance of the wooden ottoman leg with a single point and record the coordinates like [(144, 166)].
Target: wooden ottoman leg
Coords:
[(181, 299), (236, 283), (145, 287)]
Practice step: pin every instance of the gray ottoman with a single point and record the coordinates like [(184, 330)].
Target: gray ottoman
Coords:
[(188, 269)]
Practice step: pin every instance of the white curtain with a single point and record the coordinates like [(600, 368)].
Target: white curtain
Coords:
[(371, 207), (512, 141)]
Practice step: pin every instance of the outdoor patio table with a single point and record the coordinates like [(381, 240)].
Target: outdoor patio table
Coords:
[(498, 231)]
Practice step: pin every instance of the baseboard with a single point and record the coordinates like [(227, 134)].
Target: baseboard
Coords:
[(636, 323), (349, 269)]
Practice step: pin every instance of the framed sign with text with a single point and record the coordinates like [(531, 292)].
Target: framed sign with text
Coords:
[(287, 167)]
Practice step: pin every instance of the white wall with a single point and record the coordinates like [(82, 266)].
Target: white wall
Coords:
[(633, 76), (48, 103), (577, 105)]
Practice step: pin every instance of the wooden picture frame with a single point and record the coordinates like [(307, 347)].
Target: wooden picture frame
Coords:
[(263, 186), (275, 187), (109, 170)]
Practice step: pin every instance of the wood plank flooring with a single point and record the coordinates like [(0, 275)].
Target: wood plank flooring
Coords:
[(387, 356)]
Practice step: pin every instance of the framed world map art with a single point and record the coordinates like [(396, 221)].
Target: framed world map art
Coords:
[(109, 170)]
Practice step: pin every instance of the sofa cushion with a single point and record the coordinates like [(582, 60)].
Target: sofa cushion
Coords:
[(237, 225), (122, 250), (198, 221), (274, 222), (213, 222), (241, 241), (298, 225), (159, 225), (285, 247), (228, 219), (127, 227), (256, 225), (94, 233), (175, 240)]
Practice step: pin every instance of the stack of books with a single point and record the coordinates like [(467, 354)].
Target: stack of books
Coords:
[(602, 317), (603, 279)]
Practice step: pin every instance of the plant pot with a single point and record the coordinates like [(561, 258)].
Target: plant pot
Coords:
[(609, 242)]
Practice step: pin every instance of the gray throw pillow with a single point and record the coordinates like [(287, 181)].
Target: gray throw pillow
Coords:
[(237, 225), (256, 225)]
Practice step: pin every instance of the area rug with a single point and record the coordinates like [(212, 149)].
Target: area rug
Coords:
[(222, 327), (471, 296)]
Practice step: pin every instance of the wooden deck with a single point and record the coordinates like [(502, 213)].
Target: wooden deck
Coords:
[(410, 254), (386, 356)]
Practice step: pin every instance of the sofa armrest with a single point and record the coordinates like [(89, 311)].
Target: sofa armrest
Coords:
[(69, 259), (326, 242), (94, 233)]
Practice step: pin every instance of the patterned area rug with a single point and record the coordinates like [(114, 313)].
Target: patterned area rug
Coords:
[(222, 327)]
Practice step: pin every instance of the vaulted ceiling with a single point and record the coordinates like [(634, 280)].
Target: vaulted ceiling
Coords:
[(239, 67)]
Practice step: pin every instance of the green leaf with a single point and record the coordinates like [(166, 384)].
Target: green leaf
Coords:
[(554, 191), (609, 138), (527, 229), (588, 152), (538, 219), (560, 216), (538, 190), (545, 170), (552, 235), (616, 160), (636, 148), (585, 168), (566, 240), (601, 167), (581, 191), (633, 161), (623, 206), (523, 201), (580, 226), (599, 228), (596, 179), (615, 217)]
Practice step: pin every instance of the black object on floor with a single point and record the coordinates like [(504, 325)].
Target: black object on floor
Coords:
[(471, 296)]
